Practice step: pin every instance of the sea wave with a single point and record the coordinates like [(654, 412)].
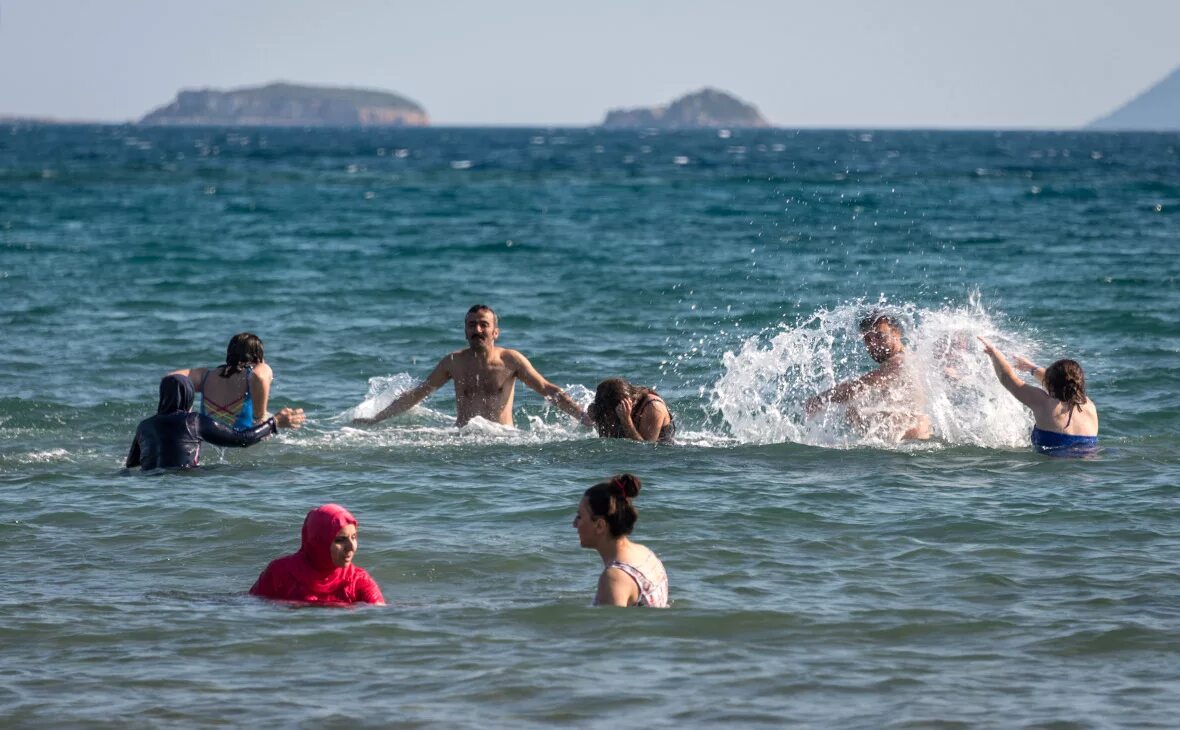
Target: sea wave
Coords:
[(761, 393)]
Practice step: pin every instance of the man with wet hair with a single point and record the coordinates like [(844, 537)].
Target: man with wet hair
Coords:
[(887, 401), (485, 377)]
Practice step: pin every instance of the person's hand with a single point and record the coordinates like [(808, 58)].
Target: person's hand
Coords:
[(812, 405), (623, 410), (989, 348), (586, 419), (289, 418), (1023, 363), (920, 430)]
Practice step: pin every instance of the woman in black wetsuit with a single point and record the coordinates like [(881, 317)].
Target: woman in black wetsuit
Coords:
[(172, 438)]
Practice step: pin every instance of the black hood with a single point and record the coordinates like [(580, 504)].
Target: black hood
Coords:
[(176, 395)]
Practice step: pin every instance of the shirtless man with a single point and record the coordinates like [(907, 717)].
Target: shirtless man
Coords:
[(891, 385), (485, 377)]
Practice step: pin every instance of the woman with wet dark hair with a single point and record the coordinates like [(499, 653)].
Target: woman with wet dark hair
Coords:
[(238, 394), (1066, 418), (623, 410), (632, 575)]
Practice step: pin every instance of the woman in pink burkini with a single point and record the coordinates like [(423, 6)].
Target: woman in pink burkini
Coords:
[(322, 570)]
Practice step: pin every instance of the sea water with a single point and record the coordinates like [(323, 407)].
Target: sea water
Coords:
[(820, 576)]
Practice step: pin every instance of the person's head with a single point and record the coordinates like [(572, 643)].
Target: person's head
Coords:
[(607, 397), (329, 538), (1065, 381), (882, 335), (344, 546), (606, 511), (481, 326), (176, 395), (244, 350)]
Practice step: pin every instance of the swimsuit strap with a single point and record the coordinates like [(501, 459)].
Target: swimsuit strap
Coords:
[(238, 413), (201, 390), (648, 399), (651, 593), (245, 417), (669, 429)]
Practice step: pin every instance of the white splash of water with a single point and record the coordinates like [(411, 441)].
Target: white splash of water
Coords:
[(761, 392), (383, 390), (424, 426), (41, 457)]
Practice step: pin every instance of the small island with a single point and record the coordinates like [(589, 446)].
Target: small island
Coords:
[(704, 109), (289, 105), (1155, 110)]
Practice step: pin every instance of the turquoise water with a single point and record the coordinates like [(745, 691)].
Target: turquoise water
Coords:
[(819, 578)]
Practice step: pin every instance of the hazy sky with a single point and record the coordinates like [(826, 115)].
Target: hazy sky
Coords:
[(857, 63)]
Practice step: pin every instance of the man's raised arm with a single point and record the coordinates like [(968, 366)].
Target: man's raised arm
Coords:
[(412, 397), (530, 377)]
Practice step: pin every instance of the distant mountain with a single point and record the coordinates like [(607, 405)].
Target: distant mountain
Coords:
[(705, 109), (288, 105), (30, 121), (1157, 109)]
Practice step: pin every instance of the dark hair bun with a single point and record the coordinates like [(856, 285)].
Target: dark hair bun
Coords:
[(630, 484), (611, 500)]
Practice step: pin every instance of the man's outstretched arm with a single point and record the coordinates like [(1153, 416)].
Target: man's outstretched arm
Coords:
[(412, 397), (843, 392), (530, 377)]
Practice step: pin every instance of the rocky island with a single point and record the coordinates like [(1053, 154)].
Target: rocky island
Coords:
[(289, 105), (1157, 109), (704, 109)]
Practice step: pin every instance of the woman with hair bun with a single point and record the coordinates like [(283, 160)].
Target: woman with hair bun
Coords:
[(1066, 418), (632, 575)]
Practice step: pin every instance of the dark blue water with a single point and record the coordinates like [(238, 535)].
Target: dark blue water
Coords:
[(820, 577)]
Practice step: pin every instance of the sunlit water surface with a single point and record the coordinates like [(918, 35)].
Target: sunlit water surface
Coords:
[(820, 576)]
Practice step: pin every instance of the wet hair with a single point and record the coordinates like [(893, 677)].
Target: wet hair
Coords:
[(485, 308), (607, 397), (612, 500), (1065, 381), (876, 317), (244, 349)]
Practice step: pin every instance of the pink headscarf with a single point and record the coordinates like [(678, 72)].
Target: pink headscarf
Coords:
[(310, 575)]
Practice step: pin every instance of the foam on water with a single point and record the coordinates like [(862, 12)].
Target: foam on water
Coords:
[(49, 455), (763, 386), (383, 390), (424, 426)]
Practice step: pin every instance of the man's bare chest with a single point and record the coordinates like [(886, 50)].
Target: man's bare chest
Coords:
[(489, 382)]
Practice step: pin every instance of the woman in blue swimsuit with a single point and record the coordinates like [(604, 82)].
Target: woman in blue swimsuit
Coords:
[(1066, 418), (239, 392), (172, 438)]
